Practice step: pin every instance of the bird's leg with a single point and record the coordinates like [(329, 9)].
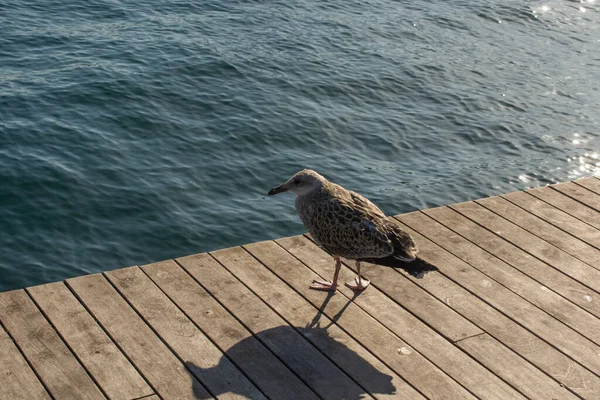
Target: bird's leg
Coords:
[(359, 283), (327, 285)]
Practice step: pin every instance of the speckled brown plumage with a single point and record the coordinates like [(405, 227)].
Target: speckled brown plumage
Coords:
[(348, 225)]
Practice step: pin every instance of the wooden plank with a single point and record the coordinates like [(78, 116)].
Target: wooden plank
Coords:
[(345, 351), (556, 217), (54, 363), (542, 229), (447, 291), (164, 372), (325, 378), (579, 193), (568, 340), (519, 259), (496, 269), (372, 333), (435, 313), (592, 184), (529, 380), (96, 351), (567, 205), (17, 380), (215, 372), (468, 299), (429, 309), (239, 345), (535, 246)]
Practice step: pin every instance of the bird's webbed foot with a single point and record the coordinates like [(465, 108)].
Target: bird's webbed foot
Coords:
[(359, 284)]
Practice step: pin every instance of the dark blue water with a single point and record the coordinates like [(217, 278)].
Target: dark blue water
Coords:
[(132, 132)]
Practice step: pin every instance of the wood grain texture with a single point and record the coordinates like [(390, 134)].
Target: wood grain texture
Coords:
[(501, 272), (579, 193), (324, 377), (104, 361), (551, 255), (517, 258), (467, 299), (556, 217), (529, 380), (553, 331), (239, 345), (167, 375), (62, 374), (378, 337), (347, 353), (513, 312), (204, 360), (17, 380), (450, 293), (568, 205), (429, 309), (544, 230), (592, 184)]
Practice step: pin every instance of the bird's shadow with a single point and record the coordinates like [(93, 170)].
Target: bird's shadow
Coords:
[(317, 318), (378, 382)]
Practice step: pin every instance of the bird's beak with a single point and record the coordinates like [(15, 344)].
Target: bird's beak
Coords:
[(278, 189)]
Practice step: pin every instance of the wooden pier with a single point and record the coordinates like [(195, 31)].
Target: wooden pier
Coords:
[(512, 314)]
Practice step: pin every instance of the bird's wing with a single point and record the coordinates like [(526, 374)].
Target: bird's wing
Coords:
[(359, 214), (366, 204)]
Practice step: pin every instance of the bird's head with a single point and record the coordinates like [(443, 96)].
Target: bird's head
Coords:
[(301, 182)]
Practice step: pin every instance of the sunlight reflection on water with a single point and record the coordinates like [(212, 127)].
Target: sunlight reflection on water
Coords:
[(137, 132)]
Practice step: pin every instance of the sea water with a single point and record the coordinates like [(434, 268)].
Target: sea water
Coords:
[(132, 132)]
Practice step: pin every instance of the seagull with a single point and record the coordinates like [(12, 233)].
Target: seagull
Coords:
[(347, 224)]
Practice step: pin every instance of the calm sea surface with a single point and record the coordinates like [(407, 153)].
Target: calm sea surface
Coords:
[(132, 132)]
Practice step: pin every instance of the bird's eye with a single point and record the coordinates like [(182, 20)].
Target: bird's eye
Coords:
[(296, 181)]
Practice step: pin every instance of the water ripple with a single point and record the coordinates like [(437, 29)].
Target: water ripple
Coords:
[(132, 133)]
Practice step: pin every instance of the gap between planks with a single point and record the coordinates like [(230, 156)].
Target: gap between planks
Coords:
[(574, 192), (451, 360), (567, 205), (498, 270), (547, 359), (469, 337), (28, 383), (542, 229), (387, 277), (263, 321)]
